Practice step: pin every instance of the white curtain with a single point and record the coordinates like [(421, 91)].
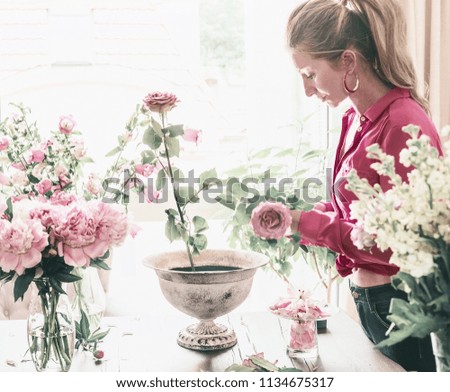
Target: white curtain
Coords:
[(429, 42)]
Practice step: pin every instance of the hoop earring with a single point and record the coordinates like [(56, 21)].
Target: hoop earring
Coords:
[(346, 88)]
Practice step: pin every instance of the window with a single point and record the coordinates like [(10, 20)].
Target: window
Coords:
[(226, 60)]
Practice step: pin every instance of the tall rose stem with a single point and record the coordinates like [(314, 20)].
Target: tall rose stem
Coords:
[(172, 181)]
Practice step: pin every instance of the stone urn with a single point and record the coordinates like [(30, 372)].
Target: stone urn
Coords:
[(221, 281)]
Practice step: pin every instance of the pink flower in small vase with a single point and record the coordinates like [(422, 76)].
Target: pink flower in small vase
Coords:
[(303, 335), (271, 220), (66, 124), (37, 156), (44, 186), (22, 243), (193, 135), (145, 170), (4, 144), (160, 102)]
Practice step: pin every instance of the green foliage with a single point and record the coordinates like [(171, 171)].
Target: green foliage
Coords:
[(85, 338), (250, 185), (427, 309)]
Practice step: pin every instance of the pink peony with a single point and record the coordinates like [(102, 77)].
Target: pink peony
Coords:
[(192, 135), (18, 166), (62, 198), (160, 102), (4, 144), (145, 170), (44, 186), (271, 220), (21, 244), (112, 223), (66, 124), (74, 229), (93, 186)]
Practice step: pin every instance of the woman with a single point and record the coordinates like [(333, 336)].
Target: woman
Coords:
[(356, 49)]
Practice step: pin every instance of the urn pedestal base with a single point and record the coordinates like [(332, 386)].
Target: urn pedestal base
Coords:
[(207, 336)]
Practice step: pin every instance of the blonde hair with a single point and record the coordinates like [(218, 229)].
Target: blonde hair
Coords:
[(376, 29)]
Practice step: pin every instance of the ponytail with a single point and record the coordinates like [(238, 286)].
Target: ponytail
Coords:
[(377, 29)]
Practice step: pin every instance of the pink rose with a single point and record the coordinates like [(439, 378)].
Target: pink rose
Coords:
[(22, 243), (192, 135), (66, 124), (37, 156), (145, 170), (4, 143), (18, 166), (44, 186), (160, 102), (271, 220)]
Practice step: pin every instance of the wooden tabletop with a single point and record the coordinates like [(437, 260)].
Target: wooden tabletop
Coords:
[(149, 344)]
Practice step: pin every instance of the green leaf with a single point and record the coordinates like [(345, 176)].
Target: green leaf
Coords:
[(208, 177), (186, 194), (173, 146), (113, 152), (157, 127), (161, 180), (100, 264), (313, 154), (22, 283), (97, 336), (86, 160), (66, 277), (200, 224), (33, 179), (239, 368), (240, 216), (226, 202), (176, 130), (84, 325), (55, 283), (171, 229), (171, 212), (200, 242), (262, 153), (9, 210), (148, 156), (152, 139), (264, 364)]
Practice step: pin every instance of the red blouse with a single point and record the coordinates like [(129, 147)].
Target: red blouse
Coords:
[(382, 123)]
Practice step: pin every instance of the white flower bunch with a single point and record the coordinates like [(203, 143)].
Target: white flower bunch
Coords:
[(411, 218)]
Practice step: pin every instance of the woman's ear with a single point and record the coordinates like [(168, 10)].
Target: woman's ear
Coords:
[(349, 60)]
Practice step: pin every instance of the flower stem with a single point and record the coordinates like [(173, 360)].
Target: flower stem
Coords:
[(175, 194)]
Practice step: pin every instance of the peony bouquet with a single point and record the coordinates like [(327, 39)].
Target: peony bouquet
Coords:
[(411, 219), (47, 232)]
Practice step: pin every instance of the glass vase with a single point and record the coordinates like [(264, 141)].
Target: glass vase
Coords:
[(441, 348), (50, 327), (90, 297), (301, 338)]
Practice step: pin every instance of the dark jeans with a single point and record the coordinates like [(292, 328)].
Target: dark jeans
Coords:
[(373, 306)]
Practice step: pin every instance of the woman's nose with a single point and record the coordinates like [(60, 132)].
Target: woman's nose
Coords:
[(309, 88)]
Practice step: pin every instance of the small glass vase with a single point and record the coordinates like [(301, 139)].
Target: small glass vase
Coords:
[(441, 348), (89, 296), (301, 338), (50, 327)]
